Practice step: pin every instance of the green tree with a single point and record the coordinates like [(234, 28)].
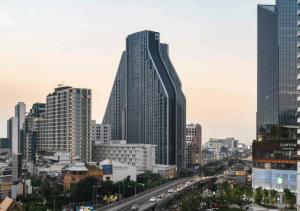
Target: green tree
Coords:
[(248, 193), (266, 197), (258, 195), (289, 197), (83, 190), (273, 196)]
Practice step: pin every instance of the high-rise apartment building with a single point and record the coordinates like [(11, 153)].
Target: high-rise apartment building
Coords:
[(147, 104), (100, 133), (33, 131), (193, 138), (274, 152), (15, 126), (20, 113), (13, 134), (68, 117)]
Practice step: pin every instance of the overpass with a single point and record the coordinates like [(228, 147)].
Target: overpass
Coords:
[(142, 200)]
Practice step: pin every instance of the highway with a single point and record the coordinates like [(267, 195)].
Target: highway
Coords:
[(142, 200)]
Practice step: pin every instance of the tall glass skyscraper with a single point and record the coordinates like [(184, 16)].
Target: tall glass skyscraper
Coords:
[(275, 151), (277, 69), (147, 104)]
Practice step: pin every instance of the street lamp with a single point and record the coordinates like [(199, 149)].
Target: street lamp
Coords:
[(95, 187)]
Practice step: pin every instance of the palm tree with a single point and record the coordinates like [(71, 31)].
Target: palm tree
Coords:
[(258, 195), (248, 193), (273, 195), (266, 196), (289, 197)]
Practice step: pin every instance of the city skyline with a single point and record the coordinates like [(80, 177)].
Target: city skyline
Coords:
[(48, 43)]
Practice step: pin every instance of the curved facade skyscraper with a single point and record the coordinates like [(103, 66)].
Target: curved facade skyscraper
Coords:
[(147, 104)]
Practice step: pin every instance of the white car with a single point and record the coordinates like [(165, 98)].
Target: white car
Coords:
[(152, 199), (171, 191)]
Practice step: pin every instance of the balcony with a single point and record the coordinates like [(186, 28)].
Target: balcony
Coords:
[(298, 22), (298, 98), (298, 2), (298, 109), (298, 66), (298, 76), (298, 132), (298, 88), (298, 120), (298, 44), (298, 34)]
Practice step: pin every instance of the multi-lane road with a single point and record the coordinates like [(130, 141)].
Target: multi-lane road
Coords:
[(148, 199)]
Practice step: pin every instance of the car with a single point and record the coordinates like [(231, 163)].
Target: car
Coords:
[(161, 195), (135, 207), (171, 191), (152, 199)]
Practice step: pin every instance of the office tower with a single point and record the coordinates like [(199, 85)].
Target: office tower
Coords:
[(298, 104), (274, 152), (33, 131), (4, 143), (20, 113), (68, 117), (147, 104), (15, 126), (13, 134), (193, 138), (100, 133), (16, 167)]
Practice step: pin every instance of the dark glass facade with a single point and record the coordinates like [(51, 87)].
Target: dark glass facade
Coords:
[(277, 70), (147, 104)]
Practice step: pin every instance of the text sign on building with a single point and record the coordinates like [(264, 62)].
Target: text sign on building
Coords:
[(107, 169)]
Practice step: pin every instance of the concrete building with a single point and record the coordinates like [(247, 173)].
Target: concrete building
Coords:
[(68, 117), (166, 171), (116, 171), (13, 134), (20, 114), (16, 167), (15, 126), (100, 133), (34, 131), (78, 172), (142, 156), (193, 138), (147, 105)]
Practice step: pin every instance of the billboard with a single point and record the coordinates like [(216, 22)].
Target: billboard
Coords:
[(274, 179), (107, 169)]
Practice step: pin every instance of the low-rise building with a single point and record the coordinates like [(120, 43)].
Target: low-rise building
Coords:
[(8, 204), (78, 172), (166, 171), (116, 171), (142, 156)]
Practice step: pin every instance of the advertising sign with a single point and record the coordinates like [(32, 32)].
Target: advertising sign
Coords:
[(107, 169)]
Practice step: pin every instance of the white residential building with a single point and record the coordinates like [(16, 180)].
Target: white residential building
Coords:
[(117, 171), (100, 133), (142, 156), (68, 116)]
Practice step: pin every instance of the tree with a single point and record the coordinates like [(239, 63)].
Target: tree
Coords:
[(289, 197), (258, 195), (273, 196), (83, 190), (248, 193), (266, 197)]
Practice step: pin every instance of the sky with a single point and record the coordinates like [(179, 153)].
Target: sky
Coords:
[(79, 43)]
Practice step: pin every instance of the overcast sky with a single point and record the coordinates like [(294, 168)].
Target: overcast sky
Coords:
[(79, 42)]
